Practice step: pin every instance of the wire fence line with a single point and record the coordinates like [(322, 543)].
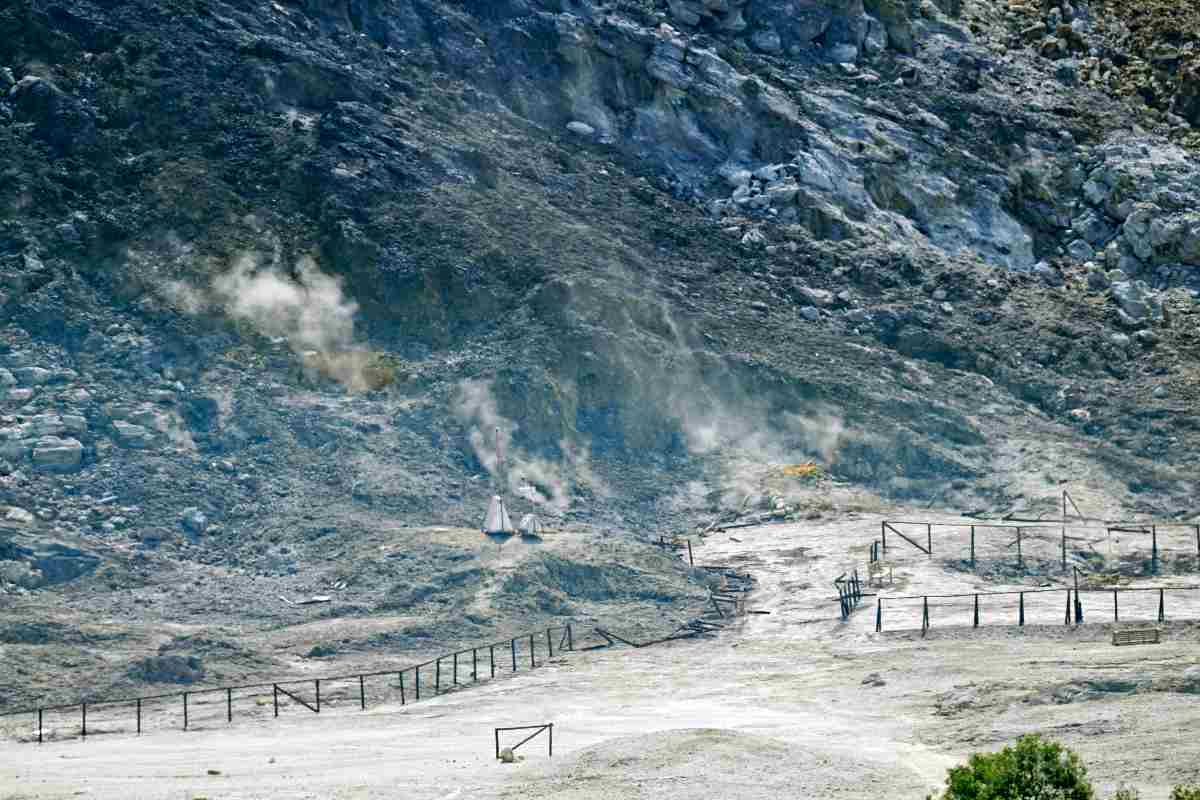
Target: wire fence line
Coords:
[(451, 670), (1040, 541), (1039, 606)]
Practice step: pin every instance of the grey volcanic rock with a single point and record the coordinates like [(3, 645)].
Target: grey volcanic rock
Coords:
[(57, 455)]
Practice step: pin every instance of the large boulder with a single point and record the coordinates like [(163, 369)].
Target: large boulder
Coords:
[(134, 437), (1137, 300), (58, 118), (53, 454)]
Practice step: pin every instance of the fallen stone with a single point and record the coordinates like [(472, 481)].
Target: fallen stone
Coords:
[(32, 376), (194, 520), (581, 128), (134, 437), (1137, 300), (52, 454), (811, 314)]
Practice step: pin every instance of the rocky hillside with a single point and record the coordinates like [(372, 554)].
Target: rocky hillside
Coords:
[(277, 273)]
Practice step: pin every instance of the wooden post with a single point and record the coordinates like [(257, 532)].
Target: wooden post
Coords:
[(1116, 616), (437, 677), (492, 658), (139, 716), (976, 611), (972, 547), (417, 681), (1063, 531), (1021, 610), (317, 689), (402, 698), (474, 664), (40, 724), (531, 662), (514, 654), (229, 704), (275, 690), (1162, 611), (454, 680), (549, 645), (551, 733), (691, 560), (362, 693), (929, 538), (185, 719), (883, 538), (1020, 558), (570, 640), (925, 616), (879, 615), (83, 706), (1153, 549), (1067, 614)]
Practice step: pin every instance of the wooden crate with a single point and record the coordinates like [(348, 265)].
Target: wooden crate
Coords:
[(1136, 636)]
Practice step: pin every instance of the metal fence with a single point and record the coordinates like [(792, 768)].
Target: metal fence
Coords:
[(1068, 606), (446, 672)]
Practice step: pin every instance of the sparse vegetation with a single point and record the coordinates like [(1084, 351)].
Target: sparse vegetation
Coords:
[(1032, 769), (1186, 792)]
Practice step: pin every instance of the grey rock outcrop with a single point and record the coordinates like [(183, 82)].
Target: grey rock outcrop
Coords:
[(57, 455)]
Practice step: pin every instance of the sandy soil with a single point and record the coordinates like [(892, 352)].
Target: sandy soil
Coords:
[(793, 702)]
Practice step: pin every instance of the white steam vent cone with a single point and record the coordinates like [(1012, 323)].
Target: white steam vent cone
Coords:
[(497, 520)]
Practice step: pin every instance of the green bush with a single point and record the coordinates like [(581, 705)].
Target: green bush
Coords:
[(1126, 793), (1185, 792), (1033, 769)]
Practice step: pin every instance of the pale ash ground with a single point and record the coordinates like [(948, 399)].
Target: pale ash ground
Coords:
[(776, 707)]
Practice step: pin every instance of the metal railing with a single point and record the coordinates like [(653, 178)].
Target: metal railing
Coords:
[(456, 665)]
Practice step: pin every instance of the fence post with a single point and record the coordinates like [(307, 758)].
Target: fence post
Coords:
[(185, 719), (691, 561), (437, 677), (570, 641), (925, 616), (1198, 547), (1116, 616), (139, 716), (474, 664), (1021, 610), (492, 658), (1078, 599), (402, 699), (362, 693), (455, 679), (551, 732), (976, 611), (1162, 615), (929, 538), (549, 645), (229, 704), (275, 688), (39, 726), (1064, 548), (883, 537), (1067, 614), (1020, 558), (879, 615), (532, 665), (514, 655), (417, 680), (972, 547), (83, 706), (1153, 549)]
